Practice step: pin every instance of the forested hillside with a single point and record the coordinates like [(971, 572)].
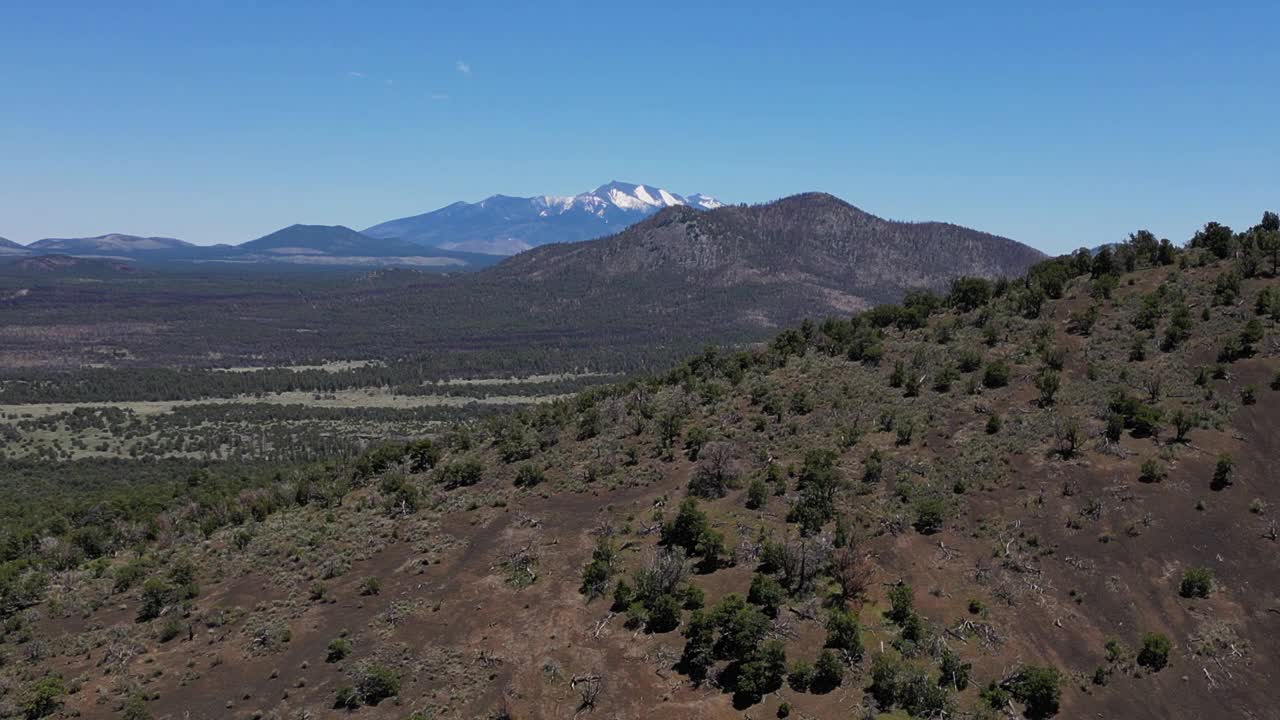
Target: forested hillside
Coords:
[(1046, 496)]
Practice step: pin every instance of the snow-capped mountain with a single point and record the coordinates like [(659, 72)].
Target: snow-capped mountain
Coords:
[(504, 225)]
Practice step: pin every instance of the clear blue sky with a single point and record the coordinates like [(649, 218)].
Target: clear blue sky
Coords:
[(219, 122)]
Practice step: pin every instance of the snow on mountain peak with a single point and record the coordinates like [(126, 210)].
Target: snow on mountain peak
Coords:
[(647, 198), (504, 224), (706, 202)]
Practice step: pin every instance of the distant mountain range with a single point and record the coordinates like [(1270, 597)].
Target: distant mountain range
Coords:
[(671, 283), (504, 225), (814, 239), (113, 242), (299, 245), (8, 247), (461, 236), (340, 245)]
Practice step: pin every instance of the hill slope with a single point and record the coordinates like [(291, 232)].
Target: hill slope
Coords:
[(815, 249), (9, 247), (1018, 504), (506, 225), (327, 240), (111, 243)]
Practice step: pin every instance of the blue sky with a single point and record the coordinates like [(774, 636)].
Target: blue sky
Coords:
[(220, 122)]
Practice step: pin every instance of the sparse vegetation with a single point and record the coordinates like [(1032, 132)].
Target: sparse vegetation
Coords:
[(1154, 654), (1197, 582), (634, 492)]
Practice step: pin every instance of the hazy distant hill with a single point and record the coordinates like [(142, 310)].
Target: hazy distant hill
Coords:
[(297, 245), (505, 225), (329, 240), (337, 244), (9, 247), (111, 243), (62, 265)]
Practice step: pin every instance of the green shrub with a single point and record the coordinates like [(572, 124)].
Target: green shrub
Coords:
[(135, 708), (1248, 395), (970, 359), (699, 649), (757, 494), (1154, 654), (128, 575), (994, 696), (694, 440), (1038, 688), (801, 676), (598, 572), (997, 374), (905, 431), (930, 512), (1152, 471), (1115, 426), (801, 403), (843, 633), (317, 591), (1146, 421), (400, 495), (766, 593), (885, 672), (376, 683), (623, 596), (529, 475), (370, 586), (946, 376), (913, 628), (1223, 472), (156, 595), (423, 455), (460, 474), (873, 467), (828, 672), (171, 628), (902, 602), (898, 376), (907, 686), (994, 423), (663, 614), (690, 531), (1197, 582), (1183, 422), (377, 460), (1048, 382), (42, 698), (762, 673), (954, 672), (338, 649), (691, 596), (346, 698)]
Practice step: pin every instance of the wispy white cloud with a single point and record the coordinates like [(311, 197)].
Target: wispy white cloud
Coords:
[(355, 74), (464, 67), (439, 97)]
